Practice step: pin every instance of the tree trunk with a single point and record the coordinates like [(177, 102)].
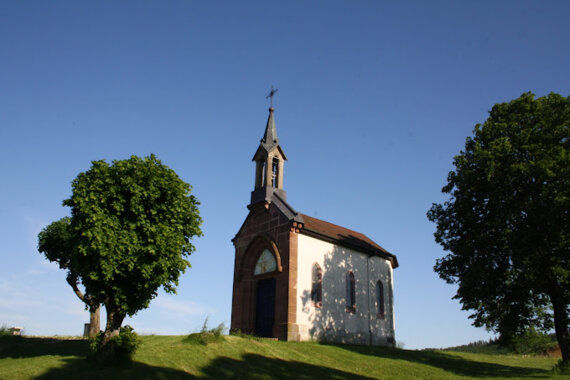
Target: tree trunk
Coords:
[(106, 351), (94, 312), (95, 322), (114, 322), (560, 309)]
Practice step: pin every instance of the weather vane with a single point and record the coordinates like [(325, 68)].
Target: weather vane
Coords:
[(271, 94)]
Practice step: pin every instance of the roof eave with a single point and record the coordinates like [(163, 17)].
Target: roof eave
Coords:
[(369, 251)]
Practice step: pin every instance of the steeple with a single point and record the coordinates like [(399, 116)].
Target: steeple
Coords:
[(269, 159), (269, 141), (270, 135)]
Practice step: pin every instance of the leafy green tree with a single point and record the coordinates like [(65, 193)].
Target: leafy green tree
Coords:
[(56, 242), (506, 224), (128, 235)]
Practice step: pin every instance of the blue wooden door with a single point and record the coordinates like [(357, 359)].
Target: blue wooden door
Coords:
[(265, 308)]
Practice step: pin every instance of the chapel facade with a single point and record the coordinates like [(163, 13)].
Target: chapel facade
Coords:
[(300, 278)]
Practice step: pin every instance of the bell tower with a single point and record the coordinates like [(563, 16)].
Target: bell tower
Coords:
[(269, 159)]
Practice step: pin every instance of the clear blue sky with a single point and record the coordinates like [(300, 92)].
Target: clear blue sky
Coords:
[(375, 98)]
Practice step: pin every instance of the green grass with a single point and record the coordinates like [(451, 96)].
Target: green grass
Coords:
[(172, 357)]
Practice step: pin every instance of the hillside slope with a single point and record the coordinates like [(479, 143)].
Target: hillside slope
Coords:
[(170, 357)]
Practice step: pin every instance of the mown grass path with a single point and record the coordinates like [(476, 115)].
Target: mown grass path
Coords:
[(170, 357)]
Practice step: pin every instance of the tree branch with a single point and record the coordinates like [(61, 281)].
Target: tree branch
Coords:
[(73, 281)]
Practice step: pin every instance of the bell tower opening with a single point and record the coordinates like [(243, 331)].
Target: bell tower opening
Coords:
[(275, 173)]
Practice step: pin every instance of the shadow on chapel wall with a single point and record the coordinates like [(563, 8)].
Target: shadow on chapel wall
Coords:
[(331, 323)]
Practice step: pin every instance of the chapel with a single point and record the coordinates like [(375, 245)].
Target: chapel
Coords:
[(299, 278)]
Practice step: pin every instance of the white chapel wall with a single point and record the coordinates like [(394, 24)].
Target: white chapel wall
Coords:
[(331, 321)]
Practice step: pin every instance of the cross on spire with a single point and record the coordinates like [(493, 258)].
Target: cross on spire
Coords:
[(271, 95)]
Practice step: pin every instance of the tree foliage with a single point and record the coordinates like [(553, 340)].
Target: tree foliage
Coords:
[(506, 224), (57, 244), (129, 234)]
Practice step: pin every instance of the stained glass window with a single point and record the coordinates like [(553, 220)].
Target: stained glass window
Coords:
[(265, 263)]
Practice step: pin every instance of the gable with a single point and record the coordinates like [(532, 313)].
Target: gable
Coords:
[(277, 204), (320, 229)]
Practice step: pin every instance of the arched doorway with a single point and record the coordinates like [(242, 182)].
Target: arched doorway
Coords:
[(258, 290), (265, 267), (265, 308)]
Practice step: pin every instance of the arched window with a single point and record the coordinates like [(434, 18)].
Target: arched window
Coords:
[(350, 293), (380, 308), (263, 173), (317, 285), (275, 172), (265, 263)]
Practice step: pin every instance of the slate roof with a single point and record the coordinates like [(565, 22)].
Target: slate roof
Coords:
[(270, 136), (345, 237)]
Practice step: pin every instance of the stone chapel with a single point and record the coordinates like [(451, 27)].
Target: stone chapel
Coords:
[(300, 278)]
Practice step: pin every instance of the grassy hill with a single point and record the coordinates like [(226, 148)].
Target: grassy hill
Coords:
[(171, 357)]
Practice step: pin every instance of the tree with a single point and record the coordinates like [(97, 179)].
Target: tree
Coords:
[(56, 242), (128, 235), (506, 224)]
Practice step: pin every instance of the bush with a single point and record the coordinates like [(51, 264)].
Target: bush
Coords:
[(120, 348), (561, 368), (6, 334), (206, 335), (533, 342), (490, 347)]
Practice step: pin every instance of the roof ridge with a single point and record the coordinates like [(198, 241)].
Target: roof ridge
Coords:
[(345, 236)]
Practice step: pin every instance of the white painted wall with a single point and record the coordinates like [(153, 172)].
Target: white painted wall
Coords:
[(331, 322)]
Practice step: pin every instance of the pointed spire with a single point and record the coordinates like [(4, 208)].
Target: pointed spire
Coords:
[(270, 135), (269, 141)]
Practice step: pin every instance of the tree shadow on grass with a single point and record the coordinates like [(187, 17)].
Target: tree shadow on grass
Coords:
[(28, 347), (74, 365), (80, 368), (450, 363), (252, 366)]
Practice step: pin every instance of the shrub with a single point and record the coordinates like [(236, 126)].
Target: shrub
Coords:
[(6, 334), (120, 348), (561, 368), (206, 335), (490, 347), (533, 342)]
